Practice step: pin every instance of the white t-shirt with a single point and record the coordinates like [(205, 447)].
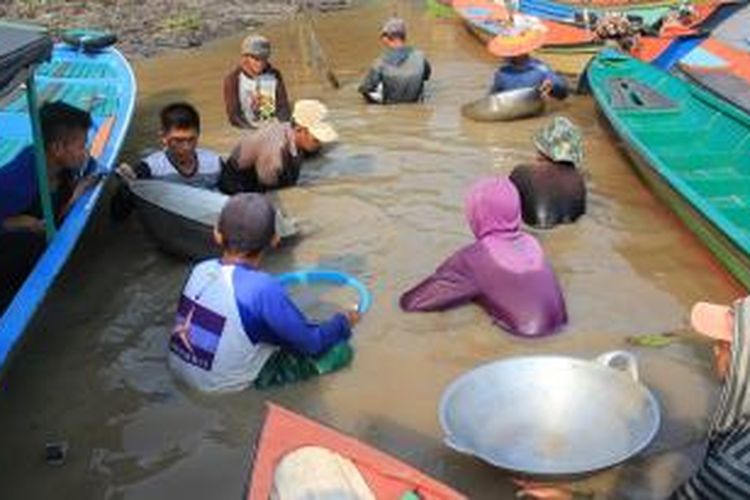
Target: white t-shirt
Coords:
[(205, 176), (258, 97), (209, 348)]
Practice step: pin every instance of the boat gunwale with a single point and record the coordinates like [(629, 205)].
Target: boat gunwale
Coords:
[(697, 201), (21, 311), (729, 254)]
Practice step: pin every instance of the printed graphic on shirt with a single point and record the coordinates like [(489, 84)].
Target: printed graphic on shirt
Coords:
[(196, 335), (259, 96), (266, 98)]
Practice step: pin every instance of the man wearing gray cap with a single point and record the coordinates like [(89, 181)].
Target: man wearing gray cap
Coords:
[(398, 75), (254, 91)]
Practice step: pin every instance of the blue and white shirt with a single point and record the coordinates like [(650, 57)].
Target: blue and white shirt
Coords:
[(159, 166), (231, 319), (531, 74)]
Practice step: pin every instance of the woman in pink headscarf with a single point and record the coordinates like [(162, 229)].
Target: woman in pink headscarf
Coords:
[(504, 270)]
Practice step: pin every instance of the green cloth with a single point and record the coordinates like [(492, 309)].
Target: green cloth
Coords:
[(652, 339), (285, 367)]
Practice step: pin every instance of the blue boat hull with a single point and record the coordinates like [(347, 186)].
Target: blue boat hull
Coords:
[(103, 83)]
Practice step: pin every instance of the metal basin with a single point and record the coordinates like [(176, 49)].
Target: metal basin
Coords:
[(505, 106), (550, 415), (179, 218)]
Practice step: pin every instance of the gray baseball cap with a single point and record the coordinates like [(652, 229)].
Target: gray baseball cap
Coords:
[(247, 222), (257, 46), (394, 26)]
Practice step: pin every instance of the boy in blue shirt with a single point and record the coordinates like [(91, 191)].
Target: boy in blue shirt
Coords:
[(520, 70), (524, 71), (236, 324)]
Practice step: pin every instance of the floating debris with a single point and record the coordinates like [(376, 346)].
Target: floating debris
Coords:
[(653, 339), (55, 453)]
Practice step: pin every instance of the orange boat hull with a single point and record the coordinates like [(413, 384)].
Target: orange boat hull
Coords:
[(389, 479)]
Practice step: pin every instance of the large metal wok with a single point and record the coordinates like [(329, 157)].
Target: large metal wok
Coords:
[(505, 106), (180, 218), (551, 415)]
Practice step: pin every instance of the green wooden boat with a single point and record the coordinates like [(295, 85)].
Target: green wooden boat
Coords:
[(689, 146)]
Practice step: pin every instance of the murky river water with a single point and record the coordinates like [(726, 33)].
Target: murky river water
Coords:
[(386, 205)]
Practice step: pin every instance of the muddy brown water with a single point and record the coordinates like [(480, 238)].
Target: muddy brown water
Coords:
[(385, 205)]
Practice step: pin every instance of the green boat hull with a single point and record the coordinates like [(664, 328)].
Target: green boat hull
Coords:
[(690, 147)]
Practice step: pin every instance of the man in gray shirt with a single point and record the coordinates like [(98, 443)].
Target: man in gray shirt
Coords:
[(270, 157), (398, 75)]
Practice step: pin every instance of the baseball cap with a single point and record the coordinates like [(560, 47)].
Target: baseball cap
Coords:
[(394, 27), (257, 46), (311, 114)]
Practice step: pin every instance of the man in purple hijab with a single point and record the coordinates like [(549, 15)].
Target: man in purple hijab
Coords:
[(504, 270)]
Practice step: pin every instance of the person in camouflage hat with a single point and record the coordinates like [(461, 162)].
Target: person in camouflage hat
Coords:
[(552, 189), (560, 141)]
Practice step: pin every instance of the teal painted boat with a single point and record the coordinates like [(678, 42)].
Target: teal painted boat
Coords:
[(33, 71), (688, 145)]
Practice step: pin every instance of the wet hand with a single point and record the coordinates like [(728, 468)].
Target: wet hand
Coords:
[(126, 172), (85, 184), (722, 358), (353, 316), (545, 89), (543, 491), (24, 223)]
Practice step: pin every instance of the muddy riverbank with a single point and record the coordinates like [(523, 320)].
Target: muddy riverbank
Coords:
[(149, 28)]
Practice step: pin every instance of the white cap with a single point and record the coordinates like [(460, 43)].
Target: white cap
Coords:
[(311, 114)]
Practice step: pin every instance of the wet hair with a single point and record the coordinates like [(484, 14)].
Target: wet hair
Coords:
[(247, 223), (60, 120), (180, 115)]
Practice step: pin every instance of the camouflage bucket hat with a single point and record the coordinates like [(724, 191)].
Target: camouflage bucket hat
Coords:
[(560, 140)]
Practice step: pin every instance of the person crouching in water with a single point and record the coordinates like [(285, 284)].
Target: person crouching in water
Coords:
[(725, 470), (254, 92), (399, 74), (233, 319), (552, 189), (23, 236), (271, 157), (180, 160), (520, 70), (504, 270)]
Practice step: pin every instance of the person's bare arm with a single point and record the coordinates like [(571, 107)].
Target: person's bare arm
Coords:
[(232, 101), (81, 187), (23, 222)]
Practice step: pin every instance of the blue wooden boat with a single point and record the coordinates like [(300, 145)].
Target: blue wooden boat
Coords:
[(33, 71), (573, 13), (725, 17), (718, 59)]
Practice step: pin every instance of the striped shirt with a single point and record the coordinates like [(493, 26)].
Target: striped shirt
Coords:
[(725, 471)]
